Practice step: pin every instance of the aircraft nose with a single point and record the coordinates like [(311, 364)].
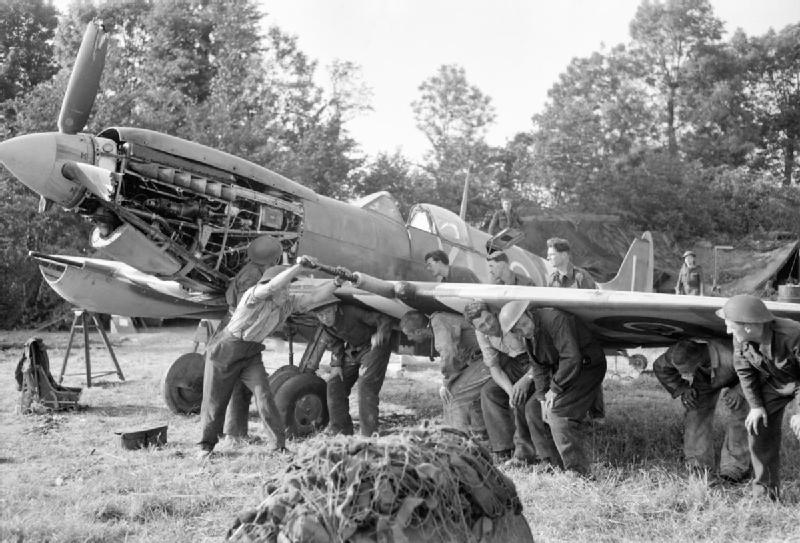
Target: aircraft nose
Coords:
[(36, 160)]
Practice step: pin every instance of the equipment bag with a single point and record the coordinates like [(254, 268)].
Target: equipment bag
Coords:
[(36, 384)]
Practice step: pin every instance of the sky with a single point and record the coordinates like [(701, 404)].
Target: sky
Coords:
[(512, 50)]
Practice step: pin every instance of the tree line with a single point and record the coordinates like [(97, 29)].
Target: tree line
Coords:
[(677, 130)]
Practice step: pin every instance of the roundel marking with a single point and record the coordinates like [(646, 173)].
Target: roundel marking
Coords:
[(652, 326)]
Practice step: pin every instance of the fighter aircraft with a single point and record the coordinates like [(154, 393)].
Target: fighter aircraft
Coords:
[(175, 219)]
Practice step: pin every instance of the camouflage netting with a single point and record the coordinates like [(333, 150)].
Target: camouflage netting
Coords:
[(435, 485)]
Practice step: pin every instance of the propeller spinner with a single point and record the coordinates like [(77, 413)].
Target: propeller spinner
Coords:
[(39, 160)]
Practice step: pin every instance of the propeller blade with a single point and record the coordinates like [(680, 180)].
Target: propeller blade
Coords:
[(97, 180), (84, 81)]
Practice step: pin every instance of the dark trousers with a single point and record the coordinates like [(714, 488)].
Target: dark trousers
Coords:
[(374, 362), (238, 411), (569, 409), (464, 411), (765, 448), (698, 435), (506, 426), (230, 360)]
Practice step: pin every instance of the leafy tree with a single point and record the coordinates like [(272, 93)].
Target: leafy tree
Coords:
[(596, 113), (772, 66), (719, 123), (399, 176), (454, 115), (665, 36), (26, 54), (26, 51)]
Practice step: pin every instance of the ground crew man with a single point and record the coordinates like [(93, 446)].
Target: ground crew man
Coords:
[(505, 217), (565, 274), (696, 373), (567, 370), (234, 353), (438, 264), (690, 278), (363, 345), (463, 371), (512, 433), (261, 253), (500, 272), (766, 355)]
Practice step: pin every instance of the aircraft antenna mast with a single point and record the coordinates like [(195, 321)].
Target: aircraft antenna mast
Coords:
[(465, 194)]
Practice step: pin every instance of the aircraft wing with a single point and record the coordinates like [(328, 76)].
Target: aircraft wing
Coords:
[(620, 319), (108, 286)]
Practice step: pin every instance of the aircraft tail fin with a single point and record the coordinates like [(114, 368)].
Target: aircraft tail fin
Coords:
[(636, 271)]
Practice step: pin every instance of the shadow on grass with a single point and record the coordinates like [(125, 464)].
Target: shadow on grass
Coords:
[(125, 410)]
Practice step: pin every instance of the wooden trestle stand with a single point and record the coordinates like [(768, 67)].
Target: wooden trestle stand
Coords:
[(84, 320)]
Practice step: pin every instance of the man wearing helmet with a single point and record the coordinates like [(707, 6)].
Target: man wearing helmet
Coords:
[(514, 423), (766, 355), (690, 278), (567, 371), (696, 372)]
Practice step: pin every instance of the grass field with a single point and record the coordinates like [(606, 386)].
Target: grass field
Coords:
[(65, 477)]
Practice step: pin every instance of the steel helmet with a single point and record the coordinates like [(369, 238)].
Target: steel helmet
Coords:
[(264, 250), (689, 253), (510, 314), (745, 308), (272, 272)]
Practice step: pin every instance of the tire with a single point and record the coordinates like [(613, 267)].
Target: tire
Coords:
[(280, 376), (302, 404), (182, 384), (637, 362)]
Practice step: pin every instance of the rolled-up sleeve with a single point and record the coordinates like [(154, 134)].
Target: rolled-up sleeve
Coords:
[(491, 356), (445, 337)]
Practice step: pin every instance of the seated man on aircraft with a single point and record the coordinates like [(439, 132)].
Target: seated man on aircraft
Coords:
[(234, 353), (363, 344), (696, 373), (463, 372), (567, 371), (511, 435), (500, 272), (438, 264)]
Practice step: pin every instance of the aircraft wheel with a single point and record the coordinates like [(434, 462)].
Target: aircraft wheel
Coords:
[(182, 384), (637, 362), (280, 376), (302, 404)]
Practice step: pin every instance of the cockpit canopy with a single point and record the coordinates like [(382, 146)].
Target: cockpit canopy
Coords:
[(380, 202), (441, 222)]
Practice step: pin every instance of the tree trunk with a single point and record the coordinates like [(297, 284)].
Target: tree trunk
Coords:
[(788, 161), (672, 142)]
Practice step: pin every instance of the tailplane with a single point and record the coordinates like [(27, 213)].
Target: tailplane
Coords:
[(636, 271)]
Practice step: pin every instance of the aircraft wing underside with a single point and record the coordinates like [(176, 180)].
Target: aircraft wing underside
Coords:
[(619, 318)]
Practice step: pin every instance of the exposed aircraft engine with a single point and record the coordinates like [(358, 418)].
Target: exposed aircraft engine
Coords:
[(182, 211)]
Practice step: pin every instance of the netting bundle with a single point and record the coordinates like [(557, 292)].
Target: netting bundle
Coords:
[(426, 484)]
